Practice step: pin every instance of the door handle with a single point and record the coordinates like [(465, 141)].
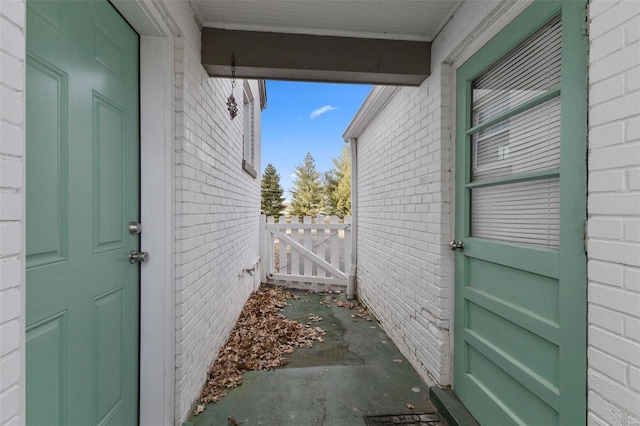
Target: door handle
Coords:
[(135, 228), (456, 245), (138, 256)]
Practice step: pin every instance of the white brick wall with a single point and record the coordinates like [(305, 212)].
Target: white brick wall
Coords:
[(217, 219), (614, 213), (12, 113), (404, 198), (404, 272)]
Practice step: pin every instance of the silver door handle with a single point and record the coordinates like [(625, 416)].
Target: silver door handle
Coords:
[(135, 228), (138, 256), (456, 245)]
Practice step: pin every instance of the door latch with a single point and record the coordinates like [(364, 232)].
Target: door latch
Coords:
[(136, 256), (456, 245)]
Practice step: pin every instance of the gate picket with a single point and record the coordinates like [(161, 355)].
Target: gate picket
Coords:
[(311, 254)]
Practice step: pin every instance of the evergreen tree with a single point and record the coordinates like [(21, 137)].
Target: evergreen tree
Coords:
[(330, 181), (337, 183), (271, 202), (306, 198)]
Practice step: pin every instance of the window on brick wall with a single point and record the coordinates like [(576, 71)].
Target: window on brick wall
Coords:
[(248, 160)]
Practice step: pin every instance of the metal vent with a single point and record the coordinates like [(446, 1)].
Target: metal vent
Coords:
[(417, 419)]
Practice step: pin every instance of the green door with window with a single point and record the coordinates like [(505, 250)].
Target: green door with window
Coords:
[(520, 267), (82, 297)]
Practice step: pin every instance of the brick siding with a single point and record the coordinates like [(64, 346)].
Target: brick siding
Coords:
[(614, 213), (12, 116), (405, 219), (217, 219), (403, 222)]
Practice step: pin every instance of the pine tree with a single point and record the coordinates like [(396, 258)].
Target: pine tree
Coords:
[(271, 202), (337, 185), (306, 198), (331, 180)]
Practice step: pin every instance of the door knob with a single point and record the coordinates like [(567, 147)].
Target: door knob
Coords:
[(138, 256), (135, 228), (456, 245)]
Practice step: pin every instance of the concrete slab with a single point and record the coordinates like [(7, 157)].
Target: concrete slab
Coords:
[(357, 371)]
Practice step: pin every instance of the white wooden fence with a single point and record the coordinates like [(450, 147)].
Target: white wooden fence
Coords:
[(314, 254)]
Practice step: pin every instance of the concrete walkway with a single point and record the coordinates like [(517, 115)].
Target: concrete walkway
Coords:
[(356, 372)]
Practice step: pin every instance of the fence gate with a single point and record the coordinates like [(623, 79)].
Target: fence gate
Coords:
[(314, 254)]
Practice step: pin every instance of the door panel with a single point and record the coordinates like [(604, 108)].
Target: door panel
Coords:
[(48, 336), (82, 191), (47, 234), (109, 148), (520, 307)]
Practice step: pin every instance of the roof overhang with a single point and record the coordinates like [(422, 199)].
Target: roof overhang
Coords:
[(305, 57), (371, 107)]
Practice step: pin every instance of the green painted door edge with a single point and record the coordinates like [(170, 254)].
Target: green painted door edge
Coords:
[(573, 211)]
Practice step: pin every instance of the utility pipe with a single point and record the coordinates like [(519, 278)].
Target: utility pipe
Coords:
[(351, 282)]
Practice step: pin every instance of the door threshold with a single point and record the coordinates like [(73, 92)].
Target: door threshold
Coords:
[(450, 407)]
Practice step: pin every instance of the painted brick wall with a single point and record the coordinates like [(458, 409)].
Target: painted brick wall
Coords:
[(403, 222), (12, 114), (614, 213), (217, 219), (404, 198)]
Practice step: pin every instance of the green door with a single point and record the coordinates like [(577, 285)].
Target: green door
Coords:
[(82, 191), (520, 290)]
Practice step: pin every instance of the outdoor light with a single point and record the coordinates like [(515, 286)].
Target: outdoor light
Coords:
[(232, 105)]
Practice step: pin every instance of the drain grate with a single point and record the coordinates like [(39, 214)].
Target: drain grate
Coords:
[(418, 419)]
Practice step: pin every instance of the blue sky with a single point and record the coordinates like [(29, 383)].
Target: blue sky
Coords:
[(306, 117)]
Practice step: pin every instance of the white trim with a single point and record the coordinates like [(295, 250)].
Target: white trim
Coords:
[(372, 105), (353, 272), (248, 131), (459, 57), (157, 283), (157, 318)]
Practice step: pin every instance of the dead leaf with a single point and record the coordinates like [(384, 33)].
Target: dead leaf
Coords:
[(199, 409), (362, 310), (233, 421), (410, 406), (259, 341)]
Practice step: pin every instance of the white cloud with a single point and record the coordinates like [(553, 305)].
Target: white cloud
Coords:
[(321, 111)]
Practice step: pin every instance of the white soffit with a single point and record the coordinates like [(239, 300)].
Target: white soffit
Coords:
[(418, 20)]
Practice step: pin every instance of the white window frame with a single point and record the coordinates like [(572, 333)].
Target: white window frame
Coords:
[(248, 131)]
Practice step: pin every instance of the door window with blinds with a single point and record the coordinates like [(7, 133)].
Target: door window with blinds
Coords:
[(515, 136)]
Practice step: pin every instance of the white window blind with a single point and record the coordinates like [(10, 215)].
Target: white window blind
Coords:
[(527, 142), (526, 211), (528, 71), (523, 212)]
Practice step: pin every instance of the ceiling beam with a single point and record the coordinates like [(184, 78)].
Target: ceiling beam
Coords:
[(301, 57)]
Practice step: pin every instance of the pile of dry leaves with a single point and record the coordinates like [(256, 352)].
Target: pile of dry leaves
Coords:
[(259, 341)]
